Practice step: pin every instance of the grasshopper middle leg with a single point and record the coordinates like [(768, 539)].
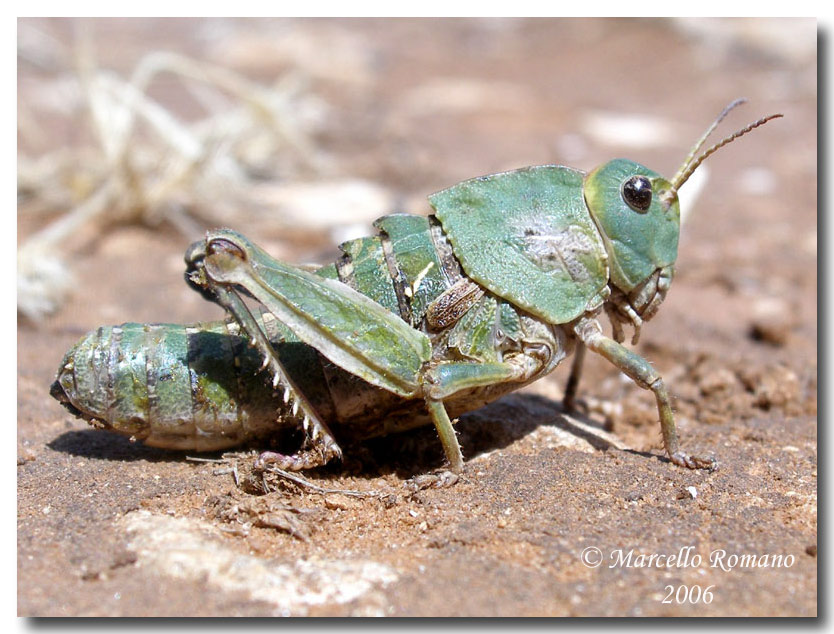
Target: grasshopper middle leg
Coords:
[(569, 399), (445, 379)]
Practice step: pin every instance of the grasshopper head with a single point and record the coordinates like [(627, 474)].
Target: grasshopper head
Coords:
[(637, 213)]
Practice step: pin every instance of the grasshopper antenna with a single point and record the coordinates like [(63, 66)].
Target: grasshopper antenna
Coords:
[(738, 102), (680, 180), (691, 163)]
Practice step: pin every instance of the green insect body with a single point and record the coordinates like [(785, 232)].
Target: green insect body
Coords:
[(429, 318)]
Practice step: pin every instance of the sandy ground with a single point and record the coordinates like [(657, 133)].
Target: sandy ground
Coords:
[(106, 527)]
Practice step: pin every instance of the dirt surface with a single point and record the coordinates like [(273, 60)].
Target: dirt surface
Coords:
[(106, 527)]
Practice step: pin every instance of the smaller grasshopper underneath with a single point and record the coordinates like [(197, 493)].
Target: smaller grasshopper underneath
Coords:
[(431, 317)]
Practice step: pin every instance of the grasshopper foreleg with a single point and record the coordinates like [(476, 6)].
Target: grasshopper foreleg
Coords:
[(641, 372)]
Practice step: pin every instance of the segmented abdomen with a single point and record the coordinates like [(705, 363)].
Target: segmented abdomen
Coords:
[(174, 386)]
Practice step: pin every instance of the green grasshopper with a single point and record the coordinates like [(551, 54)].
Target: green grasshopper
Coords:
[(430, 318)]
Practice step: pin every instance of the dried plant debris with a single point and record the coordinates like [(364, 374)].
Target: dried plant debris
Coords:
[(240, 512), (264, 480), (146, 165), (277, 492)]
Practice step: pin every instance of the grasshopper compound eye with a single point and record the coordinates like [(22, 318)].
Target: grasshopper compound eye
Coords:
[(637, 192)]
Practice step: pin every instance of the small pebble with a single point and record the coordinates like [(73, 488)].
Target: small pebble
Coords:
[(772, 321)]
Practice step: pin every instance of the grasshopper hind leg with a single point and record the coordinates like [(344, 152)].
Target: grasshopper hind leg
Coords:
[(348, 328), (319, 445)]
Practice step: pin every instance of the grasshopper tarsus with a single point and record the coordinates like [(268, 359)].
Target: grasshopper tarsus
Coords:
[(300, 461), (694, 462)]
